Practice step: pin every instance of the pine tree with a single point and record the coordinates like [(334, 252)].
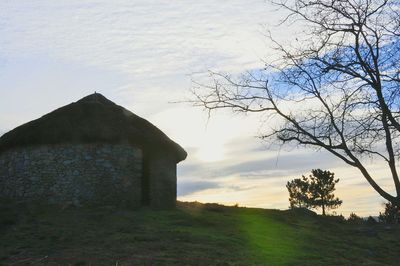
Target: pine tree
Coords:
[(314, 191), (298, 193), (391, 215), (321, 188)]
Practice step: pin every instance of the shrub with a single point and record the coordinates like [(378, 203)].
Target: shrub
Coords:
[(371, 220), (354, 218)]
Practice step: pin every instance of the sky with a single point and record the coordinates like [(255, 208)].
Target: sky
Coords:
[(144, 55)]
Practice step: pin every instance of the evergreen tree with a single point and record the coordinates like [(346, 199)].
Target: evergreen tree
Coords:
[(391, 215), (321, 188), (298, 193), (314, 191)]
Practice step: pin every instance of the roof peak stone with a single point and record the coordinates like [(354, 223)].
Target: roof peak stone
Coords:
[(95, 98)]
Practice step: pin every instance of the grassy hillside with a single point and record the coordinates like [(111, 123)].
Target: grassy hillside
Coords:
[(193, 234)]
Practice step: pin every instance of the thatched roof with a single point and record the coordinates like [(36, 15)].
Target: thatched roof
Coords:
[(93, 119)]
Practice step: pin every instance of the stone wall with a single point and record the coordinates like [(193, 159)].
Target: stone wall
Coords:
[(96, 173)]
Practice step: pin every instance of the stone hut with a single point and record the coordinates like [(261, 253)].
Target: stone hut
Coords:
[(90, 152)]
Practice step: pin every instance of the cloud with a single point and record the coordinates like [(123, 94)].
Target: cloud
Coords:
[(189, 187), (139, 37), (250, 162)]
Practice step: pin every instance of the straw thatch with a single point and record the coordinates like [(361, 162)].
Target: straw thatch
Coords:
[(93, 119)]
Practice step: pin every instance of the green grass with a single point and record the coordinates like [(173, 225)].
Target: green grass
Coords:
[(193, 234)]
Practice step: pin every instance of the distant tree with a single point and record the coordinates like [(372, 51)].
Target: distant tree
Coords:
[(321, 187), (354, 218), (298, 193), (314, 191), (391, 215), (371, 220), (336, 87)]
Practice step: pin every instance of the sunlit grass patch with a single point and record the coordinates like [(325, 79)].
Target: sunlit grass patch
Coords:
[(270, 239)]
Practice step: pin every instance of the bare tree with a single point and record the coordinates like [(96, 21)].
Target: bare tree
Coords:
[(336, 87)]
